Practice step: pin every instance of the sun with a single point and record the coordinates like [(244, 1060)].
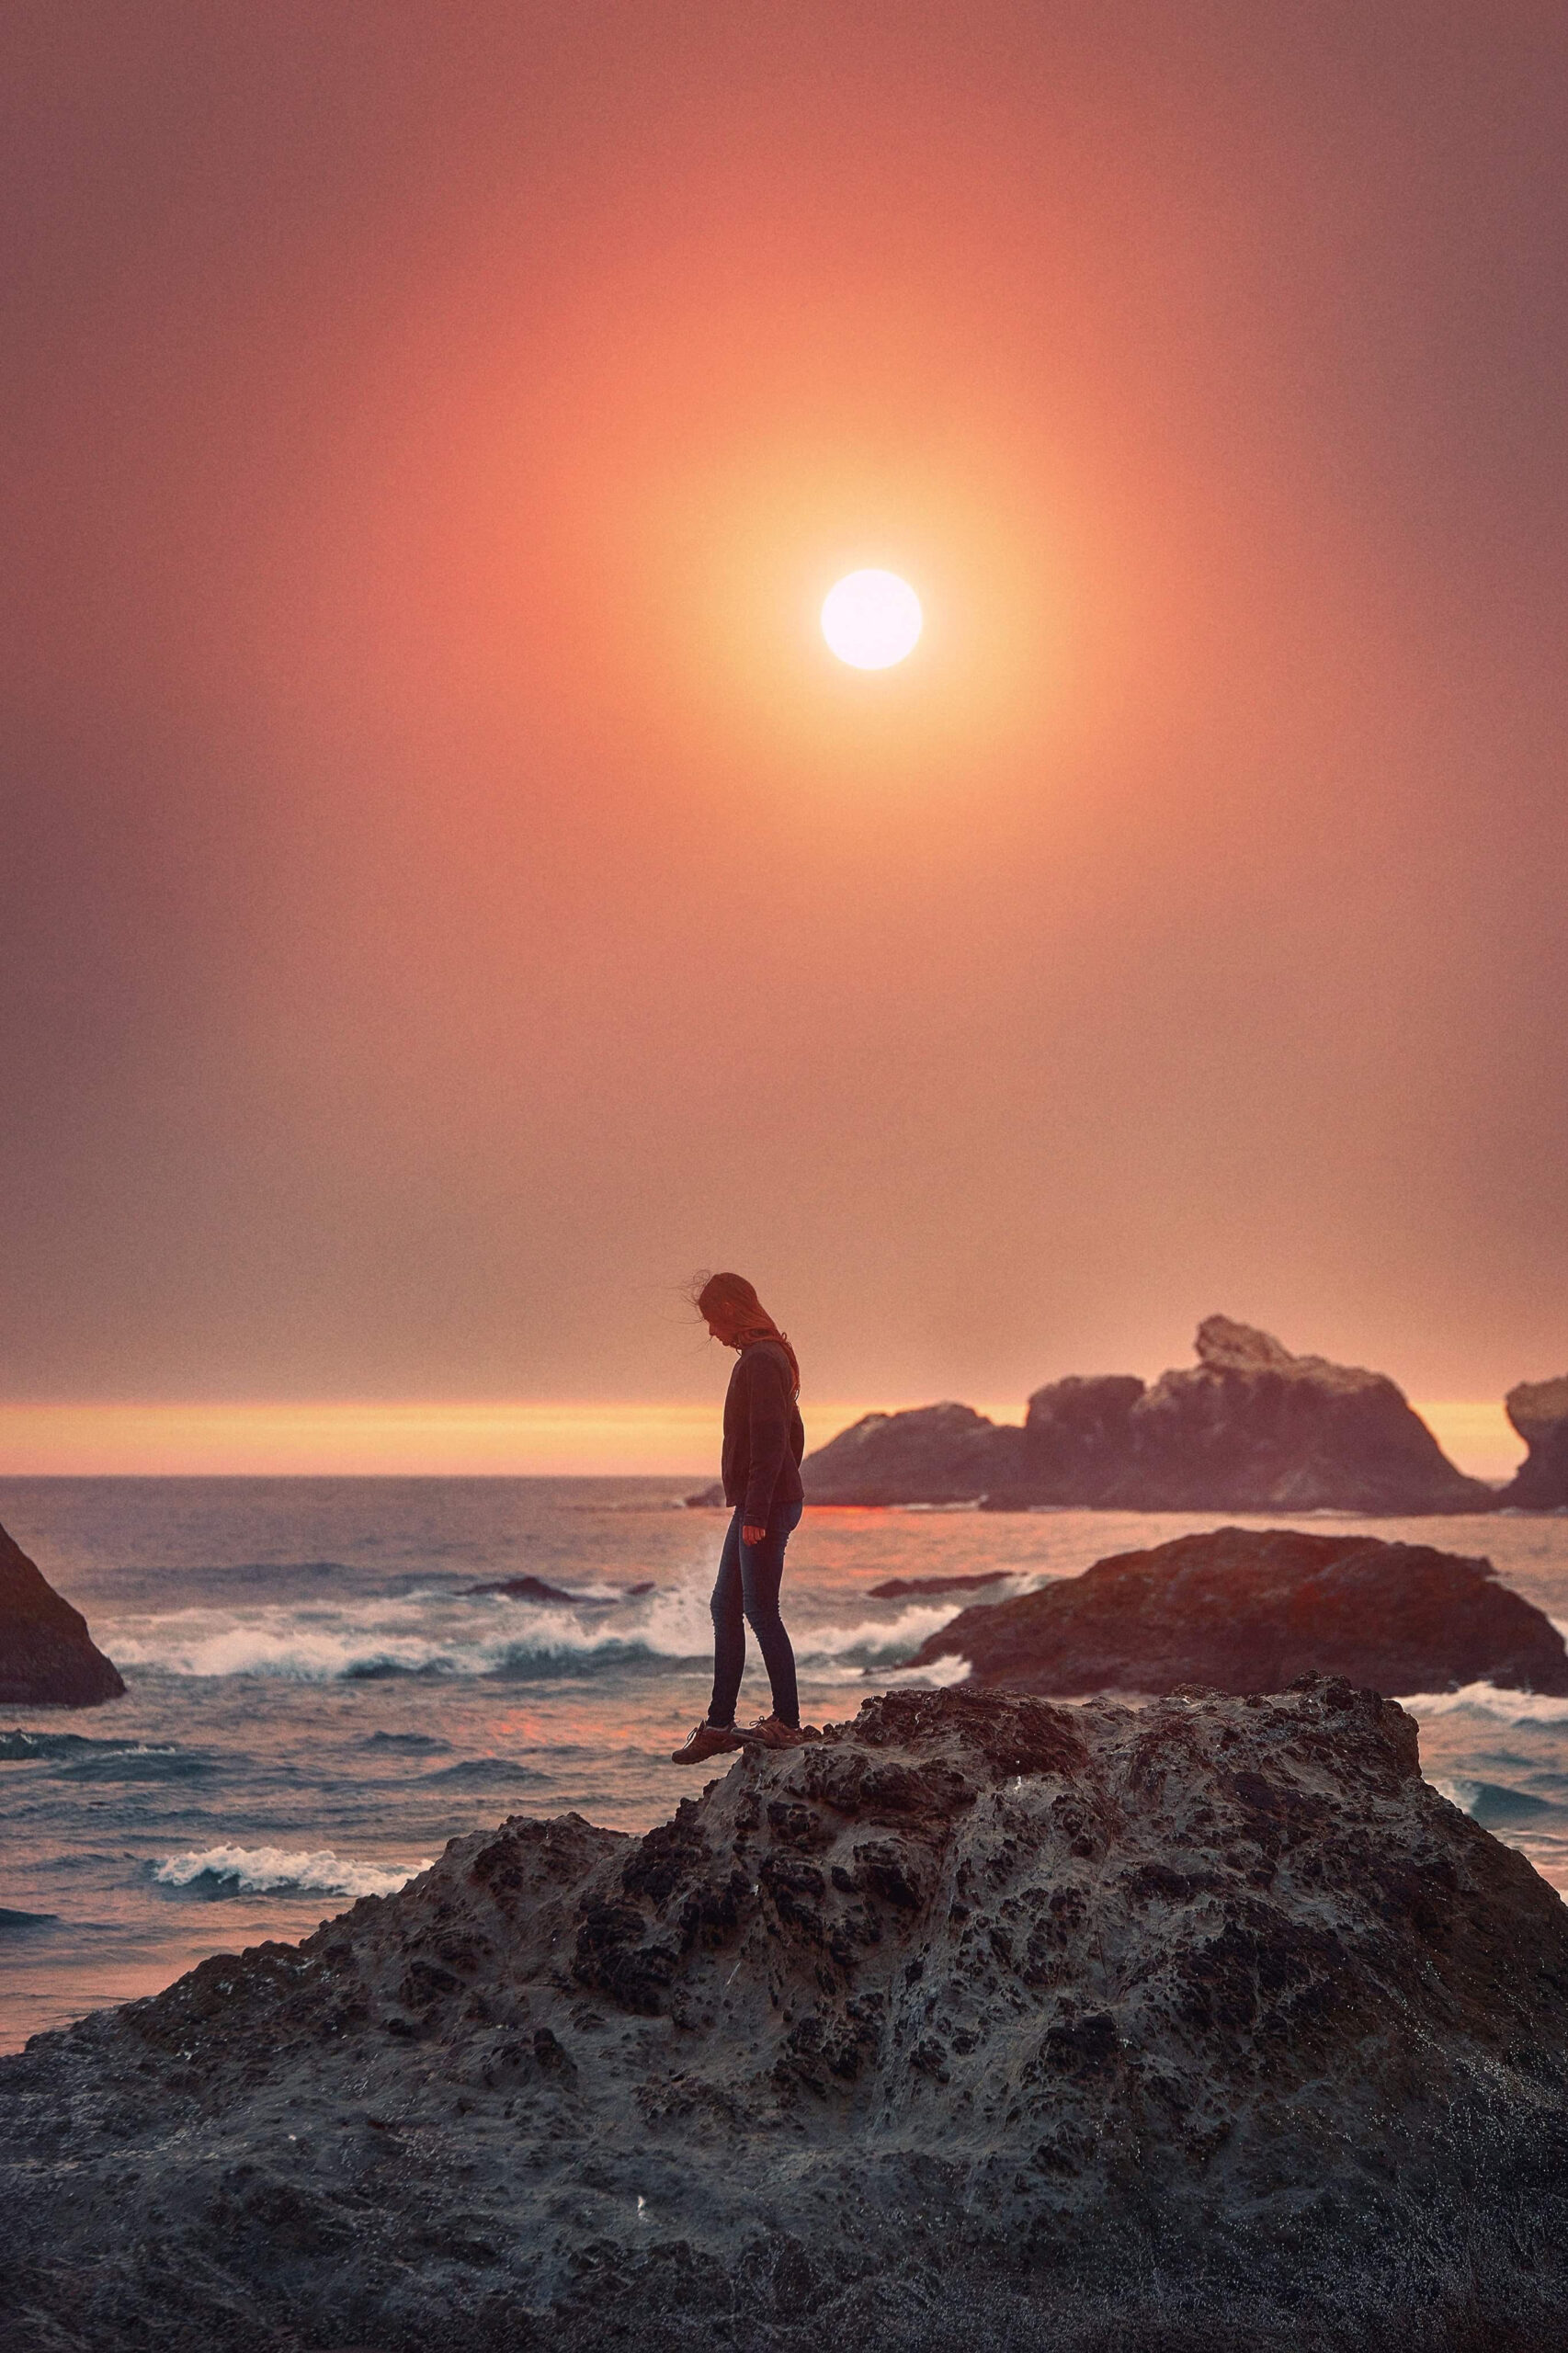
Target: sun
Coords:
[(872, 620)]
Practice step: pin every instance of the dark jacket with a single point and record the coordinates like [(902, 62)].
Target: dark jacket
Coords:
[(764, 1436)]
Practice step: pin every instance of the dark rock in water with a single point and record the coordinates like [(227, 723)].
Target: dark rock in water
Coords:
[(524, 1589), (1247, 1610), (48, 1659), (936, 1454), (707, 1499), (1250, 1428), (1539, 1411), (980, 2021), (907, 1589)]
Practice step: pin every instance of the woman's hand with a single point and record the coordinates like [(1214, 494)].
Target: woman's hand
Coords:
[(753, 1534)]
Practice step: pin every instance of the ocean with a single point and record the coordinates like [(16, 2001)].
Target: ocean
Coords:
[(317, 1700)]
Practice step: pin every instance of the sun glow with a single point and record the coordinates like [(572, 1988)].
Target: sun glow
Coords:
[(872, 620)]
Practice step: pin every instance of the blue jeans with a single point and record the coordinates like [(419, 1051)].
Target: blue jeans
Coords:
[(747, 1588)]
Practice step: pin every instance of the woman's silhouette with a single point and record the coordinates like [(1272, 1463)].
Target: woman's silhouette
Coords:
[(764, 1441)]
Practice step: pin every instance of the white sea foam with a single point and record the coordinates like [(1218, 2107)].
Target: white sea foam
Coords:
[(479, 1635), (1487, 1700), (256, 1869), (874, 1635), (952, 1667)]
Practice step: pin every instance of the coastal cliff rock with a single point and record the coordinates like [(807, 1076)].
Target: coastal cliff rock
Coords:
[(1206, 2024), (1249, 1428), (1245, 1611), (48, 1659), (1539, 1411)]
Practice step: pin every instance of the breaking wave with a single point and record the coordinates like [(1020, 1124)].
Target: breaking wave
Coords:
[(1493, 1803), (1488, 1700), (442, 1634), (251, 1870), (80, 1760)]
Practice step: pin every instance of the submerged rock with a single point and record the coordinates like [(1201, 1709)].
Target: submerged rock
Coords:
[(1208, 2025), (1249, 1611), (523, 1588), (1249, 1428), (911, 1588), (1539, 1411), (48, 1659)]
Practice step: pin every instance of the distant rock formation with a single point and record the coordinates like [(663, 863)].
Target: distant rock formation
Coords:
[(1539, 1411), (48, 1659), (935, 1454), (1250, 1428), (1244, 1610), (980, 2021)]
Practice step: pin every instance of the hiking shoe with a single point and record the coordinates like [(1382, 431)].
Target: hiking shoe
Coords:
[(768, 1732), (707, 1739)]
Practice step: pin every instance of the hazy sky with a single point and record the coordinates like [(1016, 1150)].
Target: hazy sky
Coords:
[(450, 891)]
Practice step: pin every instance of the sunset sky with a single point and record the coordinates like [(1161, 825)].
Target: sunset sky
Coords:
[(450, 891)]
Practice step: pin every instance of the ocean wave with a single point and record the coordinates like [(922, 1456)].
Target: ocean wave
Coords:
[(1493, 1803), (1489, 1700), (17, 1924), (875, 1637), (254, 1871), (20, 1748), (111, 1760), (482, 1773), (950, 1669), (432, 1635), (140, 1765)]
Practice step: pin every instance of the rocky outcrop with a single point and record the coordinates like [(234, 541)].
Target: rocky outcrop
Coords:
[(1208, 2025), (1539, 1411), (48, 1659), (1245, 1611), (935, 1454), (1249, 1428)]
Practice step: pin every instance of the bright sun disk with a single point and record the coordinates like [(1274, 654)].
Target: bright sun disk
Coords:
[(871, 620)]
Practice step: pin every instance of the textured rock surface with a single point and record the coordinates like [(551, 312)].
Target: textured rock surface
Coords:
[(1539, 1411), (1246, 1610), (48, 1659), (981, 2022), (1249, 1428)]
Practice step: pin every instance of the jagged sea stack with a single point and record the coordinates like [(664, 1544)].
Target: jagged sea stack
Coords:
[(48, 1659), (1194, 2028), (1539, 1411), (1249, 1428)]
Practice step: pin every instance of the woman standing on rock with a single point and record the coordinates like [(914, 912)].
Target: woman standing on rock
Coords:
[(764, 1441)]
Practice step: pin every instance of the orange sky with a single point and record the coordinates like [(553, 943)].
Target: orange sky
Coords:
[(451, 893)]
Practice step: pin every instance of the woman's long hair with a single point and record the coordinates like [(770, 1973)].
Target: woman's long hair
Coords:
[(753, 1321)]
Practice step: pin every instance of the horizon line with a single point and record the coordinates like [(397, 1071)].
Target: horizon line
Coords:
[(489, 1437)]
